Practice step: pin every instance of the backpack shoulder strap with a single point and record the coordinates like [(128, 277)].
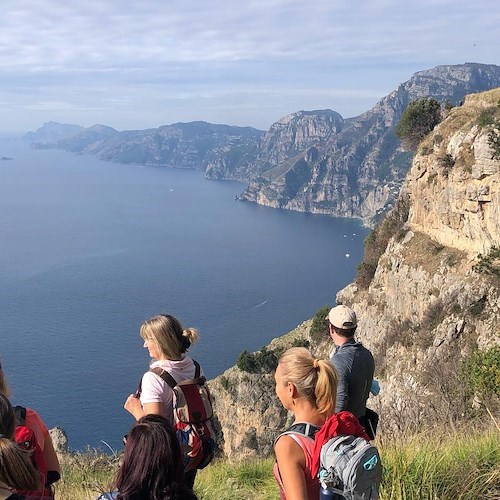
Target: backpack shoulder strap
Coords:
[(165, 376), (308, 430), (20, 412), (303, 428), (173, 383), (197, 369)]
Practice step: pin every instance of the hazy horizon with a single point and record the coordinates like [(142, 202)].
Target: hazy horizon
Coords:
[(237, 64)]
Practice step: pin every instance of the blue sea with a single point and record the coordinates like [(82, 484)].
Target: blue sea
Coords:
[(90, 249)]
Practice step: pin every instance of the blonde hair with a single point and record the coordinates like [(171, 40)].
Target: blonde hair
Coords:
[(315, 379), (167, 332), (16, 468)]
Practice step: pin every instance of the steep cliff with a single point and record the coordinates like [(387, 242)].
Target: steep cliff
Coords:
[(434, 298), (357, 167), (283, 142)]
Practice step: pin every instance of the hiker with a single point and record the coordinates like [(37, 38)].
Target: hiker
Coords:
[(49, 463), (167, 343), (354, 364), (16, 469), (151, 467), (307, 387)]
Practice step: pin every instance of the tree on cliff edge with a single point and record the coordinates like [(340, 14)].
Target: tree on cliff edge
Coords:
[(418, 119)]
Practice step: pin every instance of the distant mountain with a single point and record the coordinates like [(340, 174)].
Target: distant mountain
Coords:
[(51, 132), (309, 161), (354, 168), (181, 145)]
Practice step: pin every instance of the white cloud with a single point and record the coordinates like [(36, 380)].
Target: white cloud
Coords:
[(106, 53)]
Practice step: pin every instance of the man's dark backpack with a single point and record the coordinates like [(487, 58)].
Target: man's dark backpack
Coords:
[(192, 419), (370, 422)]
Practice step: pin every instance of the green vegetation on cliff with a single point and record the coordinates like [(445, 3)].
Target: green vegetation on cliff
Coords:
[(418, 119)]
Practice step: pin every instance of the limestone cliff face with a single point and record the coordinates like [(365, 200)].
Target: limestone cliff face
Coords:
[(358, 170), (429, 304), (285, 139), (249, 413)]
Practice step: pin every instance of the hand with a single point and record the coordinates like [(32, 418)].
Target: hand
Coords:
[(133, 406)]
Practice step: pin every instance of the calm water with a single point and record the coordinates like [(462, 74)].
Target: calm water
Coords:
[(90, 249)]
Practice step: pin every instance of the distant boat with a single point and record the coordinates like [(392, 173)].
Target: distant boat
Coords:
[(347, 255), (6, 158)]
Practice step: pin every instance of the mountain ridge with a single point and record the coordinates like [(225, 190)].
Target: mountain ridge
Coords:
[(308, 161)]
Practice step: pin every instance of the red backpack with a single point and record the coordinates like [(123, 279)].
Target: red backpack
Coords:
[(26, 439), (192, 418)]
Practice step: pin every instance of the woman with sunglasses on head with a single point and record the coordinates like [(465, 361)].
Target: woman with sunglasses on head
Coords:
[(167, 343), (306, 386), (151, 468), (33, 421), (17, 471)]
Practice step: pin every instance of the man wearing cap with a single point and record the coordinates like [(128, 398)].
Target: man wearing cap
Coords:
[(353, 362)]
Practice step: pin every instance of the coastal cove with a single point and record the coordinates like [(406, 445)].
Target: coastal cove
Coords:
[(90, 249)]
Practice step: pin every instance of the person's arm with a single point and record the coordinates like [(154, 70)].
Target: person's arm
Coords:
[(291, 464), (152, 392), (51, 460), (37, 425)]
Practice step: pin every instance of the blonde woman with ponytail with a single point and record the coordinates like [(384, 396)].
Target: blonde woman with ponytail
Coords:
[(16, 469), (167, 343), (306, 386)]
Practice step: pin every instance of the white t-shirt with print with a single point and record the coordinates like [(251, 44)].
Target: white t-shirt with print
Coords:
[(156, 390)]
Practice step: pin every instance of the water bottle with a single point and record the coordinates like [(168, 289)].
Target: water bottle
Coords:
[(325, 494)]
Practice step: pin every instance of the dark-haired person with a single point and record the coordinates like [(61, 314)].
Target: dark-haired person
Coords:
[(151, 468), (354, 362), (16, 469), (36, 424), (167, 342)]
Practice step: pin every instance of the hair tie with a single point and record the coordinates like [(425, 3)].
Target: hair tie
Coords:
[(316, 363), (185, 344)]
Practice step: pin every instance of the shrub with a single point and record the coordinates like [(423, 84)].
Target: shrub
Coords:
[(489, 263), (486, 117), (257, 362), (246, 362), (447, 161), (418, 119), (376, 242), (494, 141), (481, 372), (477, 308), (319, 327)]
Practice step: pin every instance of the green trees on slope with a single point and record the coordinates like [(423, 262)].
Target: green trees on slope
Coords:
[(418, 119)]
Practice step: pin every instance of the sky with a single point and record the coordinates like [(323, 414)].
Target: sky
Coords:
[(137, 65)]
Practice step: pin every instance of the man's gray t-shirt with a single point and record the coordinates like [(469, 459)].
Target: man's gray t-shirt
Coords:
[(355, 367)]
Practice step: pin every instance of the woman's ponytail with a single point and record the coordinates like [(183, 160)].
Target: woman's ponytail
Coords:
[(326, 387), (189, 337)]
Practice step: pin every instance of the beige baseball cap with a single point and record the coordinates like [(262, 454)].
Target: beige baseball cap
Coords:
[(342, 317)]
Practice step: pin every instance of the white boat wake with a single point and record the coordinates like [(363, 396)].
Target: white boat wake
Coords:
[(260, 305)]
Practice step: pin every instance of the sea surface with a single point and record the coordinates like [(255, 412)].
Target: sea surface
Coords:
[(90, 249)]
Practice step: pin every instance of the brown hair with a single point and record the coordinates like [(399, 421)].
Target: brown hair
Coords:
[(16, 469), (315, 379), (4, 388), (167, 332), (152, 466)]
